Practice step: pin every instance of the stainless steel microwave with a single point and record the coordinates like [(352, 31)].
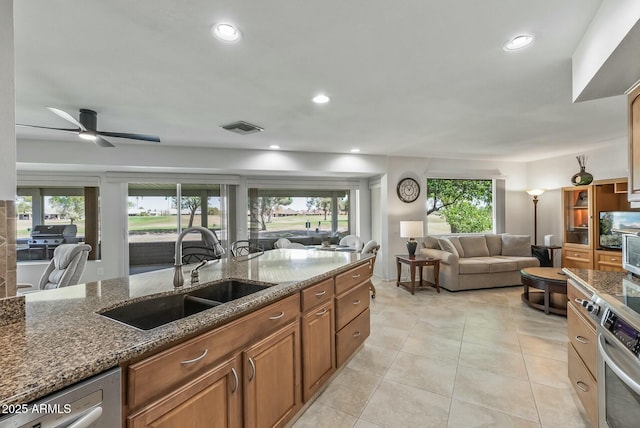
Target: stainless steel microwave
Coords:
[(631, 253)]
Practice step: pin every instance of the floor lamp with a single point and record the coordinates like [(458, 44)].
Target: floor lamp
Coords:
[(535, 193)]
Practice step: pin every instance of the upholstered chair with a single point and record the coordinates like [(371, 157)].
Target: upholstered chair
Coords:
[(371, 247), (352, 241), (281, 243), (66, 268)]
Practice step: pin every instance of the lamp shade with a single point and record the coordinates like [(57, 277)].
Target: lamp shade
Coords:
[(535, 192), (411, 229)]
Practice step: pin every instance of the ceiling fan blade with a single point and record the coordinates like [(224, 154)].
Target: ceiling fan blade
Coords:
[(142, 137), (66, 116), (47, 127), (102, 142)]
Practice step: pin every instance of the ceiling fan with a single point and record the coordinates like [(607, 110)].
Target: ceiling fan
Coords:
[(87, 128)]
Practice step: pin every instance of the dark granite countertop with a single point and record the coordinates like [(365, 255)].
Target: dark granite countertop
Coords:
[(601, 282), (62, 339)]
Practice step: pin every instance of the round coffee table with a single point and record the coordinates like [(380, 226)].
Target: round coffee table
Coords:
[(552, 282)]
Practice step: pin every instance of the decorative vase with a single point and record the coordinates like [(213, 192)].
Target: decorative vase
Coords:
[(411, 247), (582, 177)]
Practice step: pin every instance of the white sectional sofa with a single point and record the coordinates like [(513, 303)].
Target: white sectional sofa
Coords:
[(470, 262)]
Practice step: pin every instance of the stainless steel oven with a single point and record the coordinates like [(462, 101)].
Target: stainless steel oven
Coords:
[(618, 368)]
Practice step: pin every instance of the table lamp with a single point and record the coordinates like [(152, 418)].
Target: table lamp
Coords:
[(411, 230)]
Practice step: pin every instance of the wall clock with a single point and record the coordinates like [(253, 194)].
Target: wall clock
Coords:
[(408, 190)]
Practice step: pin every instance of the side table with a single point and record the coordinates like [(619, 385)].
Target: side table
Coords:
[(415, 262)]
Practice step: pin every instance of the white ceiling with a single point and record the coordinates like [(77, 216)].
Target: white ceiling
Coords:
[(411, 78)]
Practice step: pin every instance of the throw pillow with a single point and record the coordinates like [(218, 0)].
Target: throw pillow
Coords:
[(456, 243), (474, 246), (516, 245), (431, 242), (447, 245)]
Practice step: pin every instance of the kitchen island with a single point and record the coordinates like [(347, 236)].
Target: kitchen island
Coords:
[(64, 340)]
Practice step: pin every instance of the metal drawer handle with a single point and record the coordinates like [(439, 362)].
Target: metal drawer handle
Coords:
[(583, 386), (253, 369), (356, 334), (582, 339), (277, 317), (322, 293), (614, 259), (576, 255), (204, 353), (322, 312), (235, 379), (356, 302), (355, 276)]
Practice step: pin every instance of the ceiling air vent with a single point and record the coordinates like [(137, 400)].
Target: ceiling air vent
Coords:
[(242, 128)]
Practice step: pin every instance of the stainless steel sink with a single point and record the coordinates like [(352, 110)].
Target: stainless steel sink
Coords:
[(156, 311)]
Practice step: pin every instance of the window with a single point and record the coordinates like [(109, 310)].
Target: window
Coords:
[(70, 214), (277, 213), (155, 218), (460, 206)]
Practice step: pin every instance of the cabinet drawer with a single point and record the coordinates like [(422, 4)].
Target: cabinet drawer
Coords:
[(157, 374), (583, 338), (348, 279), (611, 262), (574, 293), (350, 304), (576, 258), (317, 294), (351, 337), (584, 384)]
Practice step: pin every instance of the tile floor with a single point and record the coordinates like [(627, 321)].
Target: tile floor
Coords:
[(468, 359)]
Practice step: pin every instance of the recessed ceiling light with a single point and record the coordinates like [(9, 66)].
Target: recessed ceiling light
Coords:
[(519, 42), (274, 146), (225, 32), (355, 150), (320, 99)]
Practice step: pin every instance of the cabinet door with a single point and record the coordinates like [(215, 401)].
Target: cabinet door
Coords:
[(318, 348), (211, 400), (577, 215), (634, 145), (272, 379)]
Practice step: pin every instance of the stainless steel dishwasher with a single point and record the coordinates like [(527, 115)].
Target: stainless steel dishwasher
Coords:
[(93, 403)]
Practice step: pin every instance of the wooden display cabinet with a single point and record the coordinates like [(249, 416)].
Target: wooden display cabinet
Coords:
[(578, 227), (634, 145)]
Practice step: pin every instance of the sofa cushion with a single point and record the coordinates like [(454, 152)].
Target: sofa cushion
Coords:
[(431, 242), (473, 265), (498, 264), (524, 262), (494, 243), (516, 245), (447, 244), (474, 246)]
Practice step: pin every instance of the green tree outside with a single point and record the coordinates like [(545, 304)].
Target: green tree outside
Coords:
[(71, 207), (466, 205)]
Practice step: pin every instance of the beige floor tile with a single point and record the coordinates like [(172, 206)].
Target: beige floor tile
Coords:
[(541, 329), (494, 360), (559, 407), (506, 340), (423, 329), (394, 405), (467, 415), (545, 348), (505, 394), (349, 399), (433, 347), (425, 373), (548, 372), (365, 424), (357, 378), (372, 359), (388, 337), (321, 416)]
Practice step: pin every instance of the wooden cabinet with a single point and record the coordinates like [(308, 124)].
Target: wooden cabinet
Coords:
[(272, 381), (634, 145), (582, 369), (212, 400), (610, 261), (254, 370), (318, 337), (582, 206), (352, 311)]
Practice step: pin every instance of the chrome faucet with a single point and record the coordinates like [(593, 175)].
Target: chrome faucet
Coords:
[(208, 237)]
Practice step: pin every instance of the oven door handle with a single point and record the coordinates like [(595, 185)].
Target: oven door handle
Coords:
[(602, 344)]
